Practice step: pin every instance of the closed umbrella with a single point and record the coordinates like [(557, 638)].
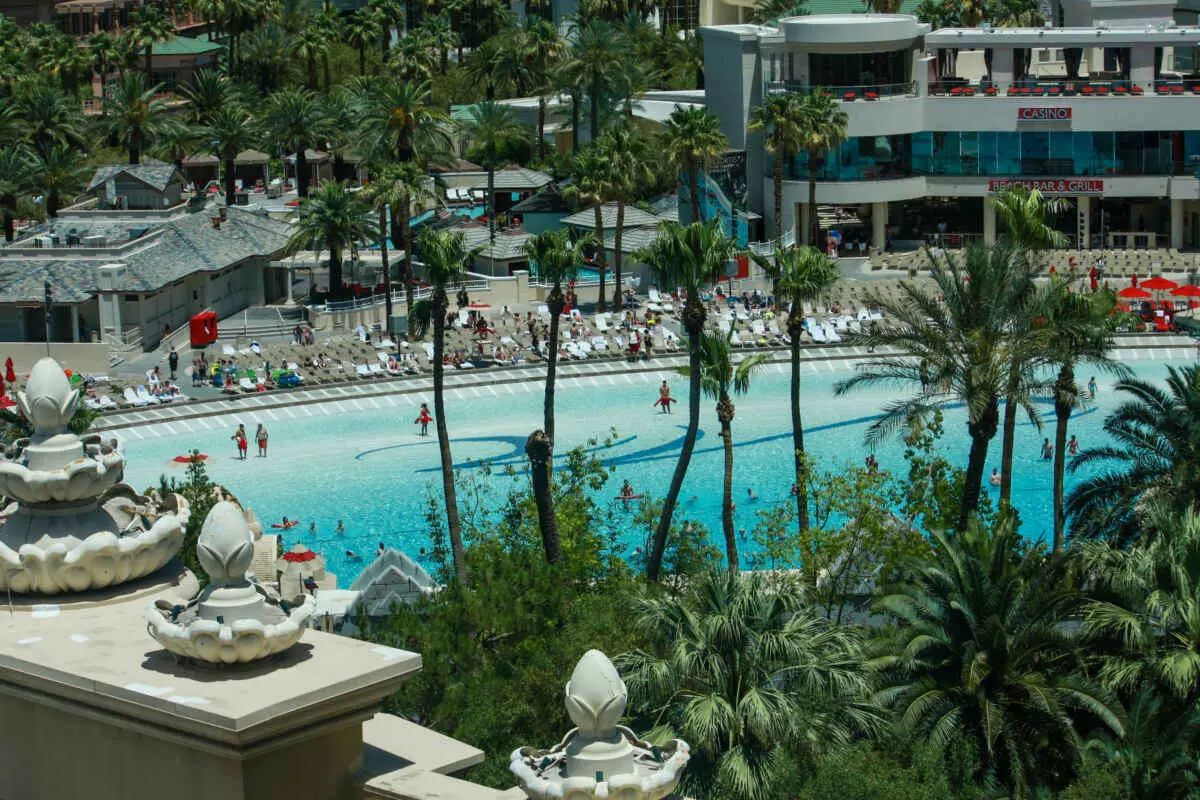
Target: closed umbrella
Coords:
[(10, 374)]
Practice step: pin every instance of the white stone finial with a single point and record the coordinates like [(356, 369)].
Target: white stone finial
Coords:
[(226, 546), (596, 695), (48, 401)]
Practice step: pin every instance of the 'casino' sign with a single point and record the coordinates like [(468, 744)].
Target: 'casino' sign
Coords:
[(1044, 114)]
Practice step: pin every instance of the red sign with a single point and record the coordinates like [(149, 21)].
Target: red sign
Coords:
[(1044, 114), (1050, 185)]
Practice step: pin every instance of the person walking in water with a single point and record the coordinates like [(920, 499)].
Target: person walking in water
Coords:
[(423, 419), (1047, 450), (239, 438), (1073, 445), (260, 438), (664, 398)]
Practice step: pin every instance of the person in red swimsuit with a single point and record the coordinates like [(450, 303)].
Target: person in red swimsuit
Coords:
[(423, 419)]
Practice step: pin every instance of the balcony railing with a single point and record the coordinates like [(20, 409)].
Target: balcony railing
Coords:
[(875, 91)]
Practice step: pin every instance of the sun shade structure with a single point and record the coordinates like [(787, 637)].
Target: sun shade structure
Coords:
[(1159, 284), (1133, 293)]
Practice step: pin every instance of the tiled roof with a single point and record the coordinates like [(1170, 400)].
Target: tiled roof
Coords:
[(183, 245), (510, 246), (634, 217), (154, 174), (184, 46), (513, 179), (547, 201), (632, 240)]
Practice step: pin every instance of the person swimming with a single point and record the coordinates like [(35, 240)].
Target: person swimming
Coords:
[(626, 489), (1047, 450), (312, 529), (340, 528), (995, 479), (750, 495), (353, 556)]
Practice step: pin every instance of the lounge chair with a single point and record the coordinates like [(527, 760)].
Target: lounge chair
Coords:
[(734, 339), (428, 350), (600, 344), (247, 385), (144, 394), (132, 399), (361, 370), (817, 333), (107, 402), (602, 322)]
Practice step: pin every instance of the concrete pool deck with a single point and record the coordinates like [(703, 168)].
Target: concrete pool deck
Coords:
[(387, 393)]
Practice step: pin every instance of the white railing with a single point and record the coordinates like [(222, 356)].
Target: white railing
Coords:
[(782, 243), (399, 297)]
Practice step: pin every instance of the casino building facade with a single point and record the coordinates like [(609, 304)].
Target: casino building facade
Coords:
[(1103, 112)]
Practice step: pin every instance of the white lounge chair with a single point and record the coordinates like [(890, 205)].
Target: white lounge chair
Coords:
[(362, 370), (428, 350), (144, 394), (734, 339), (832, 335), (600, 344), (132, 399), (817, 333), (107, 402), (228, 350), (602, 322), (247, 385), (376, 369), (92, 403)]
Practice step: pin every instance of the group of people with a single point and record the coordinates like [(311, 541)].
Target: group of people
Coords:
[(242, 441), (304, 335)]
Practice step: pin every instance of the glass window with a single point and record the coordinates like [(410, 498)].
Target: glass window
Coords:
[(1129, 154)]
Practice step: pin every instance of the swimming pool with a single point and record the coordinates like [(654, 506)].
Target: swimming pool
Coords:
[(369, 469)]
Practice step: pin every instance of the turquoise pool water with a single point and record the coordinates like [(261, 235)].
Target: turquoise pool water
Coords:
[(369, 469)]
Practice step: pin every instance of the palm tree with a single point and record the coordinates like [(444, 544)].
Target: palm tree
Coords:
[(768, 11), (745, 673), (595, 55), (494, 132), (58, 173), (1155, 455), (593, 178), (391, 16), (14, 178), (309, 46), (336, 220), (207, 92), (801, 275), (149, 26), (174, 140), (883, 6), (401, 117), (103, 48), (781, 120), (445, 259), (292, 119), (1026, 216), (228, 133), (950, 337), (402, 188), (627, 154), (482, 65), (1077, 330), (823, 128), (690, 257), (545, 49), (983, 656), (720, 378), (47, 117), (134, 115), (691, 139), (512, 64), (1146, 605), (362, 30), (557, 261)]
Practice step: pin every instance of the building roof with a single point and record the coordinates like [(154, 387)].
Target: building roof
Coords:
[(184, 244), (548, 201), (1114, 35), (155, 174), (510, 244), (514, 179), (634, 217), (184, 46), (632, 240)]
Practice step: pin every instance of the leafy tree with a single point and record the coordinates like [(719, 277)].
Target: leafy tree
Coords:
[(720, 378), (309, 47), (747, 675), (206, 93), (400, 117), (545, 48), (1026, 216), (332, 219), (494, 133), (402, 188), (14, 176), (595, 55), (292, 119), (765, 12), (229, 132), (593, 179), (446, 260), (135, 115), (690, 140), (824, 128), (627, 155), (780, 119), (952, 337), (362, 30), (56, 174), (47, 117), (1155, 455), (149, 26), (688, 257), (983, 656)]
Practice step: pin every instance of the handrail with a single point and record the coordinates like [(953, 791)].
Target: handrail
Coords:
[(864, 91), (782, 243), (398, 297)]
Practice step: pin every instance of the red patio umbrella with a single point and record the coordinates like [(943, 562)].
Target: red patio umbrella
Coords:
[(297, 556), (1159, 284), (1133, 293), (1186, 291)]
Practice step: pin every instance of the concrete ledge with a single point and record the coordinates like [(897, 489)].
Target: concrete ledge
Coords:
[(415, 784), (393, 744)]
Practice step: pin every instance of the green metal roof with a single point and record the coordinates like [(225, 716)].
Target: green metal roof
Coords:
[(184, 46)]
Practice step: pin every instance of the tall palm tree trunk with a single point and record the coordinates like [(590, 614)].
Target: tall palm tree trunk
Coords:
[(230, 181), (601, 260), (53, 203), (149, 64), (540, 452), (694, 322), (556, 308), (491, 204), (336, 283), (541, 127), (387, 270), (1008, 441), (135, 146), (777, 178), (457, 550), (617, 256), (725, 415), (981, 431), (798, 425), (813, 222), (595, 129), (362, 59), (575, 122), (406, 269), (325, 70), (9, 204), (1064, 401), (302, 170), (694, 186)]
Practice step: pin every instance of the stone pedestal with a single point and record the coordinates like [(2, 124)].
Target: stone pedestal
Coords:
[(94, 708)]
